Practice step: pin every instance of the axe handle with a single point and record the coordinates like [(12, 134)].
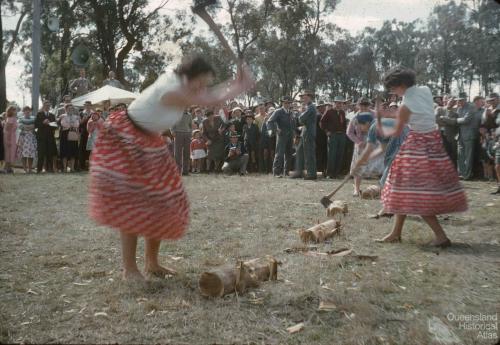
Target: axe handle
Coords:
[(344, 181), (203, 14)]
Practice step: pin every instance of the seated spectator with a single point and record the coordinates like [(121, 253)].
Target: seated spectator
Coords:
[(236, 157)]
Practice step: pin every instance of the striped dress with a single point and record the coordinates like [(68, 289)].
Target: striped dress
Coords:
[(135, 186), (422, 179)]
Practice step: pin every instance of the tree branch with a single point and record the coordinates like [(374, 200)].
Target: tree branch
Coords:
[(14, 36)]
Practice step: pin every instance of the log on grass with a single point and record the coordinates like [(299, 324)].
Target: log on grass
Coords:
[(321, 232), (337, 207), (371, 192), (245, 274)]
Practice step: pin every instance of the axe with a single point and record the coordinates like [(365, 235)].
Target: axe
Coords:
[(325, 201), (199, 8)]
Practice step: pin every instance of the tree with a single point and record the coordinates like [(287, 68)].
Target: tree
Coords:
[(8, 41)]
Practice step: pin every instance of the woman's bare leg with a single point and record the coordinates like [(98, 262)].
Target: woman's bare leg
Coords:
[(397, 229), (152, 265), (357, 185), (129, 249), (30, 165), (433, 223)]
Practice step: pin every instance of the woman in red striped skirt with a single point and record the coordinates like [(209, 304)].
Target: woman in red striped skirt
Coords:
[(135, 186), (422, 179)]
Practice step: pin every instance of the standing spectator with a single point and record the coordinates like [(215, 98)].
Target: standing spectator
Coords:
[(181, 131), (251, 140), (111, 81), (236, 118), (94, 125), (198, 117), (236, 157), (306, 151), (26, 144), (198, 153), (61, 110), (334, 123), (213, 132), (68, 141), (2, 150), (283, 122), (469, 121), (80, 86), (491, 118), (488, 155), (261, 115), (45, 123), (446, 118), (321, 139), (9, 138), (266, 144), (83, 153)]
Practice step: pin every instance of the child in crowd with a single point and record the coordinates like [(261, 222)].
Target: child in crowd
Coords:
[(250, 140), (198, 151)]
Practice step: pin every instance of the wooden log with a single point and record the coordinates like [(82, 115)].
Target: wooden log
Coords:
[(238, 278), (337, 207), (371, 192), (321, 232)]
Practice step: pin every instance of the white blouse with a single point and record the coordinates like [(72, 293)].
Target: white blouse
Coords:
[(147, 110), (419, 100), (70, 121)]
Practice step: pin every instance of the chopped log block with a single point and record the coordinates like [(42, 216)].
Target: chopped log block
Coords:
[(321, 232), (245, 274), (371, 192), (337, 207)]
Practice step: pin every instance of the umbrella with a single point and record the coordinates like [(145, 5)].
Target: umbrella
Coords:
[(105, 93)]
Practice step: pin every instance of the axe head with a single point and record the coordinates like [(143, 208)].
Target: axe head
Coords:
[(200, 5), (325, 202)]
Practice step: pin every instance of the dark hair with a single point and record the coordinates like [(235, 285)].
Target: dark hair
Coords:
[(194, 67), (477, 98), (209, 112), (398, 76)]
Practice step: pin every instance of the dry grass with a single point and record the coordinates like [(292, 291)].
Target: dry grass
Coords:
[(58, 269)]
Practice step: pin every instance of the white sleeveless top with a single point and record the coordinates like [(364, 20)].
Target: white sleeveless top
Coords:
[(149, 113), (419, 100)]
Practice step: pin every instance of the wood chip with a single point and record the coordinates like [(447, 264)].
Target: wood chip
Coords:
[(326, 306), (175, 258), (82, 284), (340, 252), (32, 292), (297, 328), (101, 313), (490, 204)]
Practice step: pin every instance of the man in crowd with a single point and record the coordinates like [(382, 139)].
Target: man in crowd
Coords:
[(80, 86), (83, 154), (236, 157), (468, 121), (198, 117), (181, 131), (491, 122), (236, 118), (333, 122), (283, 123), (446, 118), (46, 142), (306, 150), (321, 139), (111, 81)]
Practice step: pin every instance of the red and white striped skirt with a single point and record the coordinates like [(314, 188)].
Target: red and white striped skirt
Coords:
[(135, 186), (422, 179)]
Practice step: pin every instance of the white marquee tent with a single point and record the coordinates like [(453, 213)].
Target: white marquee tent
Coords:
[(105, 93)]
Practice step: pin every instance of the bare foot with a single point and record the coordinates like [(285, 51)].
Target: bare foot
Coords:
[(389, 239), (159, 271), (133, 276), (442, 243)]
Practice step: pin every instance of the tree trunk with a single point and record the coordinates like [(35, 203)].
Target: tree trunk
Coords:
[(3, 82)]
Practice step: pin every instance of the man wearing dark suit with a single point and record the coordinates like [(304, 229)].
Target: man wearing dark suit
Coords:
[(83, 154), (306, 151), (283, 123), (334, 123), (46, 141)]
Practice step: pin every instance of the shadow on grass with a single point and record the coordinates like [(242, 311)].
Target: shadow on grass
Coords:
[(461, 248)]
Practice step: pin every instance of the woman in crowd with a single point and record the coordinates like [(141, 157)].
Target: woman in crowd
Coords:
[(26, 144), (94, 124), (422, 179), (357, 131), (68, 138), (9, 138), (213, 129)]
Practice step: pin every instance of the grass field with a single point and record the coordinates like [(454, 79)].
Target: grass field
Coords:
[(60, 273)]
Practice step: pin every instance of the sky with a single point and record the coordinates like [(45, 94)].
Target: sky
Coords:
[(352, 15)]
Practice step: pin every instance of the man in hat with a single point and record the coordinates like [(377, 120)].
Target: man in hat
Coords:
[(236, 118), (333, 122), (80, 86), (306, 150), (251, 139), (283, 123), (321, 140), (182, 132), (236, 157), (83, 154), (491, 115), (446, 118), (46, 142), (468, 121)]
